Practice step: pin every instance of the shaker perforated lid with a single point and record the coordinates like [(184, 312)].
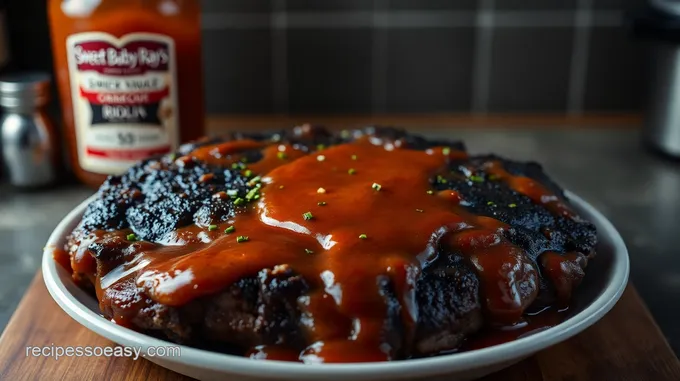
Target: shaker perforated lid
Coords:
[(27, 89)]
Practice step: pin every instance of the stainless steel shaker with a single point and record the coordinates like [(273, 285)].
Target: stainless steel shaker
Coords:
[(26, 131)]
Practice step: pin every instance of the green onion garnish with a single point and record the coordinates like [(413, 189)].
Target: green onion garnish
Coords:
[(490, 203), (363, 236), (212, 227), (354, 157), (309, 251), (352, 171), (281, 155), (446, 150), (230, 229), (248, 173), (477, 179), (132, 237), (239, 201), (242, 238), (308, 216), (376, 186), (320, 147), (512, 205)]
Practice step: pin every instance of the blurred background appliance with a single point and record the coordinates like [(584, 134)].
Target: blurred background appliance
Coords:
[(659, 25)]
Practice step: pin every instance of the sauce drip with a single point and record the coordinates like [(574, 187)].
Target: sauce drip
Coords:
[(345, 218)]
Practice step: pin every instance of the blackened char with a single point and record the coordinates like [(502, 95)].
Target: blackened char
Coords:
[(159, 195)]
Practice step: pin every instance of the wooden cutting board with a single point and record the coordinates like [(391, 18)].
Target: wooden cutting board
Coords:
[(625, 345)]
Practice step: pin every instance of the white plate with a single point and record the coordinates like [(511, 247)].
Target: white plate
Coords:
[(604, 283)]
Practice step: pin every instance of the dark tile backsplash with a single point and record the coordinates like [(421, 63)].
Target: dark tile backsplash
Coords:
[(259, 6), (327, 5), (375, 56), (535, 4), (414, 54), (610, 82), (243, 65), (432, 4), (530, 69), (329, 70)]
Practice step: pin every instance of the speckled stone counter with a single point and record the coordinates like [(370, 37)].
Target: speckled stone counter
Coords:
[(636, 190)]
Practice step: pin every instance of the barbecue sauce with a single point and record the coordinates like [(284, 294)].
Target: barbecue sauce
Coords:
[(344, 218), (129, 80)]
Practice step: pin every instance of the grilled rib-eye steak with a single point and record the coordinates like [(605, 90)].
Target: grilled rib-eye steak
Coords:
[(307, 245)]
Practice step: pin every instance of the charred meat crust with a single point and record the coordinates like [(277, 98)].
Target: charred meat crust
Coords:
[(160, 195)]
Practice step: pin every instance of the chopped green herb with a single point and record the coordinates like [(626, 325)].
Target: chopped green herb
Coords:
[(354, 157), (446, 150), (490, 203), (321, 203), (309, 251), (132, 237), (476, 179), (248, 173), (234, 166), (320, 147), (242, 238), (212, 227), (376, 186), (512, 205), (363, 236), (441, 179), (352, 171), (419, 210), (308, 216), (252, 193), (230, 229), (239, 201), (281, 155), (430, 191), (254, 181)]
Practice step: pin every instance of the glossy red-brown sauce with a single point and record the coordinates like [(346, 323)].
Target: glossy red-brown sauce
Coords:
[(358, 234)]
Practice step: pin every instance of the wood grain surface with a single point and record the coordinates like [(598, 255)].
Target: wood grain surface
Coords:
[(625, 345)]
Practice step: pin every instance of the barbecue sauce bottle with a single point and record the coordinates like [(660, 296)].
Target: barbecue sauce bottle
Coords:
[(129, 80)]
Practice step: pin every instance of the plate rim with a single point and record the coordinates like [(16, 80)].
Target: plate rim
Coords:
[(456, 362)]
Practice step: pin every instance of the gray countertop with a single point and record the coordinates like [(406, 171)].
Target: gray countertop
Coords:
[(638, 191)]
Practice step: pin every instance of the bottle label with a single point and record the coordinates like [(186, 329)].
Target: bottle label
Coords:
[(124, 93)]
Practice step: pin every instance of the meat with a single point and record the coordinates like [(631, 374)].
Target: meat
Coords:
[(158, 244)]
